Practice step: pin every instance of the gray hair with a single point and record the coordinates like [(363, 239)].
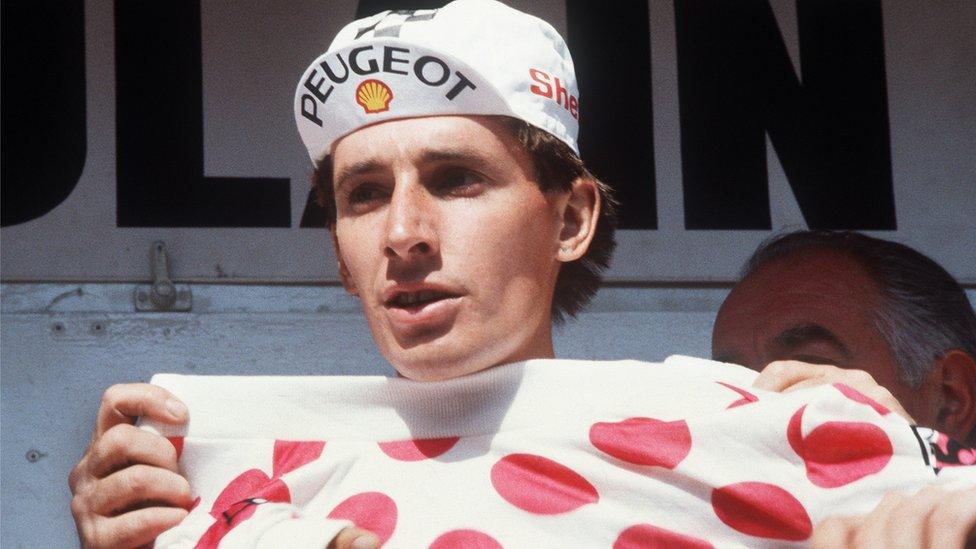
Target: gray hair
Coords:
[(924, 312)]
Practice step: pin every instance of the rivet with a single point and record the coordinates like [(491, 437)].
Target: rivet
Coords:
[(34, 456)]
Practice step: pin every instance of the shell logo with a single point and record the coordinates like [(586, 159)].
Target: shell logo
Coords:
[(374, 96)]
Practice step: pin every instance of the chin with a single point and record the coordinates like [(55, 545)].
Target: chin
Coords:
[(431, 362)]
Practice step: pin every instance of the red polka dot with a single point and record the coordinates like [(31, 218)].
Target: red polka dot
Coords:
[(747, 397), (252, 483), (238, 501), (857, 396), (762, 510), (645, 536), (841, 452), (838, 453), (540, 485), (644, 441), (465, 539), (371, 511), (794, 434), (418, 449), (292, 454), (177, 443)]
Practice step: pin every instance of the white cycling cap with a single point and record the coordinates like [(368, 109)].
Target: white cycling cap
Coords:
[(471, 57)]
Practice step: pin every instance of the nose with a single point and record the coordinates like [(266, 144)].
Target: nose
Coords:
[(411, 224)]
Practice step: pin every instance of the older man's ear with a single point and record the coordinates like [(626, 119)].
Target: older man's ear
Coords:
[(955, 376)]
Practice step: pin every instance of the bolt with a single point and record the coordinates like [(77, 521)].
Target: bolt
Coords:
[(57, 327), (97, 327), (164, 288), (34, 456)]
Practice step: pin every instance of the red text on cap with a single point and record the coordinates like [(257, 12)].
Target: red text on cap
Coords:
[(550, 87)]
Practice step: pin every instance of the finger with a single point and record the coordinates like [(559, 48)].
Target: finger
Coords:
[(834, 532), (125, 445), (953, 521), (134, 528), (877, 525), (779, 375), (135, 486), (861, 382), (124, 402), (355, 538)]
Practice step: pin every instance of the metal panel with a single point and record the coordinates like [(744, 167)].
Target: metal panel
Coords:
[(62, 345)]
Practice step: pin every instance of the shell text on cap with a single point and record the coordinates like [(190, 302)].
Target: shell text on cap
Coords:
[(550, 87), (372, 59)]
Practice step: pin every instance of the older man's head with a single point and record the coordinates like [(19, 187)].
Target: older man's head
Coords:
[(854, 301)]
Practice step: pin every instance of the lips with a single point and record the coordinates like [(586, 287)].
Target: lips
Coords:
[(415, 299), (408, 296), (415, 308)]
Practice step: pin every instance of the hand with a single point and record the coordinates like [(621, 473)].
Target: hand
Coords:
[(355, 538), (783, 376), (126, 487), (932, 518)]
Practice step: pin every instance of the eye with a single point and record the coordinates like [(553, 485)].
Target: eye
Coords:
[(459, 182), (364, 196)]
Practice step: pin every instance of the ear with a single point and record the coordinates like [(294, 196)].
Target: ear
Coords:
[(347, 282), (579, 218), (957, 411)]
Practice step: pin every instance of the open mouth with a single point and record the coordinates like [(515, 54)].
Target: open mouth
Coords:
[(417, 300)]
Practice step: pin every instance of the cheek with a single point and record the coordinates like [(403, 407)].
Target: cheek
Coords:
[(516, 239), (356, 245)]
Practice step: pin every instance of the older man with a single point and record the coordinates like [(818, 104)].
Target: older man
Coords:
[(852, 301), (855, 302)]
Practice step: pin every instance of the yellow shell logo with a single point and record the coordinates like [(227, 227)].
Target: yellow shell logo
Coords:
[(374, 96)]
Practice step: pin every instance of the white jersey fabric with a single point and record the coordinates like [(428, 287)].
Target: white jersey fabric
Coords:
[(545, 453)]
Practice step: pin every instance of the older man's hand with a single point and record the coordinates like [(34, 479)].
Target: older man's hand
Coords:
[(932, 518), (126, 487), (789, 375)]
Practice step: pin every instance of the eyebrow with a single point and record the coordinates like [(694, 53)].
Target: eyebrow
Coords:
[(452, 155), (356, 169), (804, 334)]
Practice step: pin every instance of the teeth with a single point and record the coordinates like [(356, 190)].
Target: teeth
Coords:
[(416, 297)]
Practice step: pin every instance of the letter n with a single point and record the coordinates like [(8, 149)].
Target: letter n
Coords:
[(829, 128)]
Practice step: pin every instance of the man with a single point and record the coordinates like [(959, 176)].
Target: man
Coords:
[(852, 301), (856, 302), (461, 214)]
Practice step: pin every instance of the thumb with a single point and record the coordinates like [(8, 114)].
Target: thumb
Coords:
[(355, 538)]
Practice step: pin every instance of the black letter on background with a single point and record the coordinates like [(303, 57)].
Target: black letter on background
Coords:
[(159, 129), (611, 47), (42, 98), (829, 130)]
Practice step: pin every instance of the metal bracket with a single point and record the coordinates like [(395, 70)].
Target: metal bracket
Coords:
[(162, 295)]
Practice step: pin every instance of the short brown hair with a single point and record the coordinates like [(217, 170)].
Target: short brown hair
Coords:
[(556, 168)]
